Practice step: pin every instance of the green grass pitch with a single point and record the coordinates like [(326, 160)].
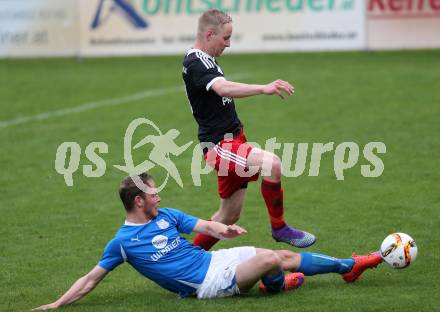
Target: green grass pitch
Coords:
[(52, 234)]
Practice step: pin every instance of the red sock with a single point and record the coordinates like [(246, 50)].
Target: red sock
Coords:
[(204, 241), (273, 196)]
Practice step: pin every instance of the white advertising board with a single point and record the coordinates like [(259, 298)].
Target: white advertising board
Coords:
[(38, 27), (403, 24), (109, 27), (143, 27)]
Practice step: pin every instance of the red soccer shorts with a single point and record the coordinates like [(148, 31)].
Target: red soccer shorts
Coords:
[(229, 159)]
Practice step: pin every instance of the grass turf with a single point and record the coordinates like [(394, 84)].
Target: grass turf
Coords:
[(52, 234)]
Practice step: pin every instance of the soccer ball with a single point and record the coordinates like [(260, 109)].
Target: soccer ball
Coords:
[(399, 250)]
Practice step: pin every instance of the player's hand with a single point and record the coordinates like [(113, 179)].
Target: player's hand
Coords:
[(46, 307), (279, 87), (232, 231)]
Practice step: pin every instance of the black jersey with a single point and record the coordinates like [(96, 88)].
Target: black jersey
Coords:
[(215, 115)]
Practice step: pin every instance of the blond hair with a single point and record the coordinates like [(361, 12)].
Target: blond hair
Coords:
[(213, 19)]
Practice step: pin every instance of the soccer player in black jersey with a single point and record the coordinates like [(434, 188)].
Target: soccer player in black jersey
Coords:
[(212, 101)]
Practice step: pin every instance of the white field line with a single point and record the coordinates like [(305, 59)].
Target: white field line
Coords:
[(101, 103), (89, 106)]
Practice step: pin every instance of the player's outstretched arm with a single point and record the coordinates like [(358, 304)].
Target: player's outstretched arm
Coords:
[(236, 90), (79, 289), (218, 230)]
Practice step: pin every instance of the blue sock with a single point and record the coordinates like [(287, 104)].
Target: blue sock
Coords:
[(274, 283), (312, 263)]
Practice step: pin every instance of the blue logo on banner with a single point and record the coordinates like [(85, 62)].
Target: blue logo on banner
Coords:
[(122, 6)]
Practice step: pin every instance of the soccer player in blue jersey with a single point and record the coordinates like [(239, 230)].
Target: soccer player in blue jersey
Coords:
[(150, 242), (211, 97)]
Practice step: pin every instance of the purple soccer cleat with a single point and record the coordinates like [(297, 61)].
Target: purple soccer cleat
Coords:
[(294, 237)]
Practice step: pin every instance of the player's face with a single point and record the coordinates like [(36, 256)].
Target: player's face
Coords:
[(221, 39), (151, 201)]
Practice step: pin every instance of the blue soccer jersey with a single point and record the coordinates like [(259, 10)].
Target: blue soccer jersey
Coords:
[(157, 251)]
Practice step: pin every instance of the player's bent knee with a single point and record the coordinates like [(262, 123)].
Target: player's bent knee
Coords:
[(288, 254), (276, 167), (271, 260)]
